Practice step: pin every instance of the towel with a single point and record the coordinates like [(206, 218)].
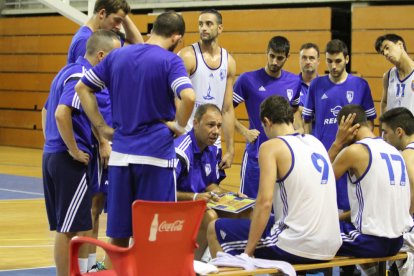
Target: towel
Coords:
[(249, 264), (204, 269)]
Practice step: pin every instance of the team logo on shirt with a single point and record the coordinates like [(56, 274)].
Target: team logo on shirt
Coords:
[(223, 234), (332, 120), (207, 169), (349, 96), (336, 110), (223, 73), (289, 93), (412, 85), (208, 96)]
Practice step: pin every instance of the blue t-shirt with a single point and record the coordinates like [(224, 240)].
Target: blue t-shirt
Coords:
[(77, 47), (254, 87), (62, 92), (325, 99), (196, 169), (304, 88), (142, 80)]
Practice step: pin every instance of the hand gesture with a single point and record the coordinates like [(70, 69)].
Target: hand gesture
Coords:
[(104, 153), (207, 196), (346, 131), (175, 128), (251, 135), (226, 161), (80, 156)]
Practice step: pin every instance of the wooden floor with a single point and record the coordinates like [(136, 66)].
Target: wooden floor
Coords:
[(25, 239)]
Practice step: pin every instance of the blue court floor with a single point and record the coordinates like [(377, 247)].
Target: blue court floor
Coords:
[(40, 271)]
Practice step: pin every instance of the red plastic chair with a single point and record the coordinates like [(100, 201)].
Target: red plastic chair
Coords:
[(164, 241)]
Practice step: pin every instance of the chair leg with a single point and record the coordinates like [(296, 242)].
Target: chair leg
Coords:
[(382, 268)]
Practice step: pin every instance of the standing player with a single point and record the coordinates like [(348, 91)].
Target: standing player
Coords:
[(379, 192), (212, 71), (327, 95), (252, 88), (296, 175), (308, 62), (67, 152), (397, 125), (143, 80), (398, 81), (108, 15)]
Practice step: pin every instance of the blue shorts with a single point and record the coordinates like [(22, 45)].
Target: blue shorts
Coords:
[(232, 234), (132, 182), (356, 244), (67, 193), (98, 174), (250, 175)]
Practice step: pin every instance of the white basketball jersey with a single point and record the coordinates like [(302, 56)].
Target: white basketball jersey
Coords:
[(380, 198), (410, 146), (304, 203), (400, 92), (209, 83)]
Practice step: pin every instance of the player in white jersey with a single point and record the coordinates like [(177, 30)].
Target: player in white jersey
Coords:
[(297, 177), (212, 72), (397, 126), (378, 188), (398, 83)]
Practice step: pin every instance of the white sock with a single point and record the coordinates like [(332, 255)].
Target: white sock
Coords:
[(91, 260), (83, 265)]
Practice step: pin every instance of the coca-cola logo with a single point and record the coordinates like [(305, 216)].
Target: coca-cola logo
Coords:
[(175, 226)]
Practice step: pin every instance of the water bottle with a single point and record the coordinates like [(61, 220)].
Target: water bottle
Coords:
[(154, 228)]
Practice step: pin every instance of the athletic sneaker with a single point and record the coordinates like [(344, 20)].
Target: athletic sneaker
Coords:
[(98, 267)]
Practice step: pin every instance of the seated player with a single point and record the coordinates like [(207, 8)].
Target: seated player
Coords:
[(296, 176)]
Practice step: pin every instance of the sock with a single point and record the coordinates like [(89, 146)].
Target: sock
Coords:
[(91, 260), (83, 265)]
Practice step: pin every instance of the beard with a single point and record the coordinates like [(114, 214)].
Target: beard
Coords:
[(208, 39), (274, 68), (172, 47)]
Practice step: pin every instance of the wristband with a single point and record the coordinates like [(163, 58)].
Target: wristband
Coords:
[(195, 196), (178, 127)]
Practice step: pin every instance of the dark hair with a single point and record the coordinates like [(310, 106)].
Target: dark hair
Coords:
[(391, 37), (219, 18), (111, 6), (279, 44), (361, 117), (337, 46), (277, 109), (399, 117), (169, 23), (101, 40), (202, 109), (309, 45)]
